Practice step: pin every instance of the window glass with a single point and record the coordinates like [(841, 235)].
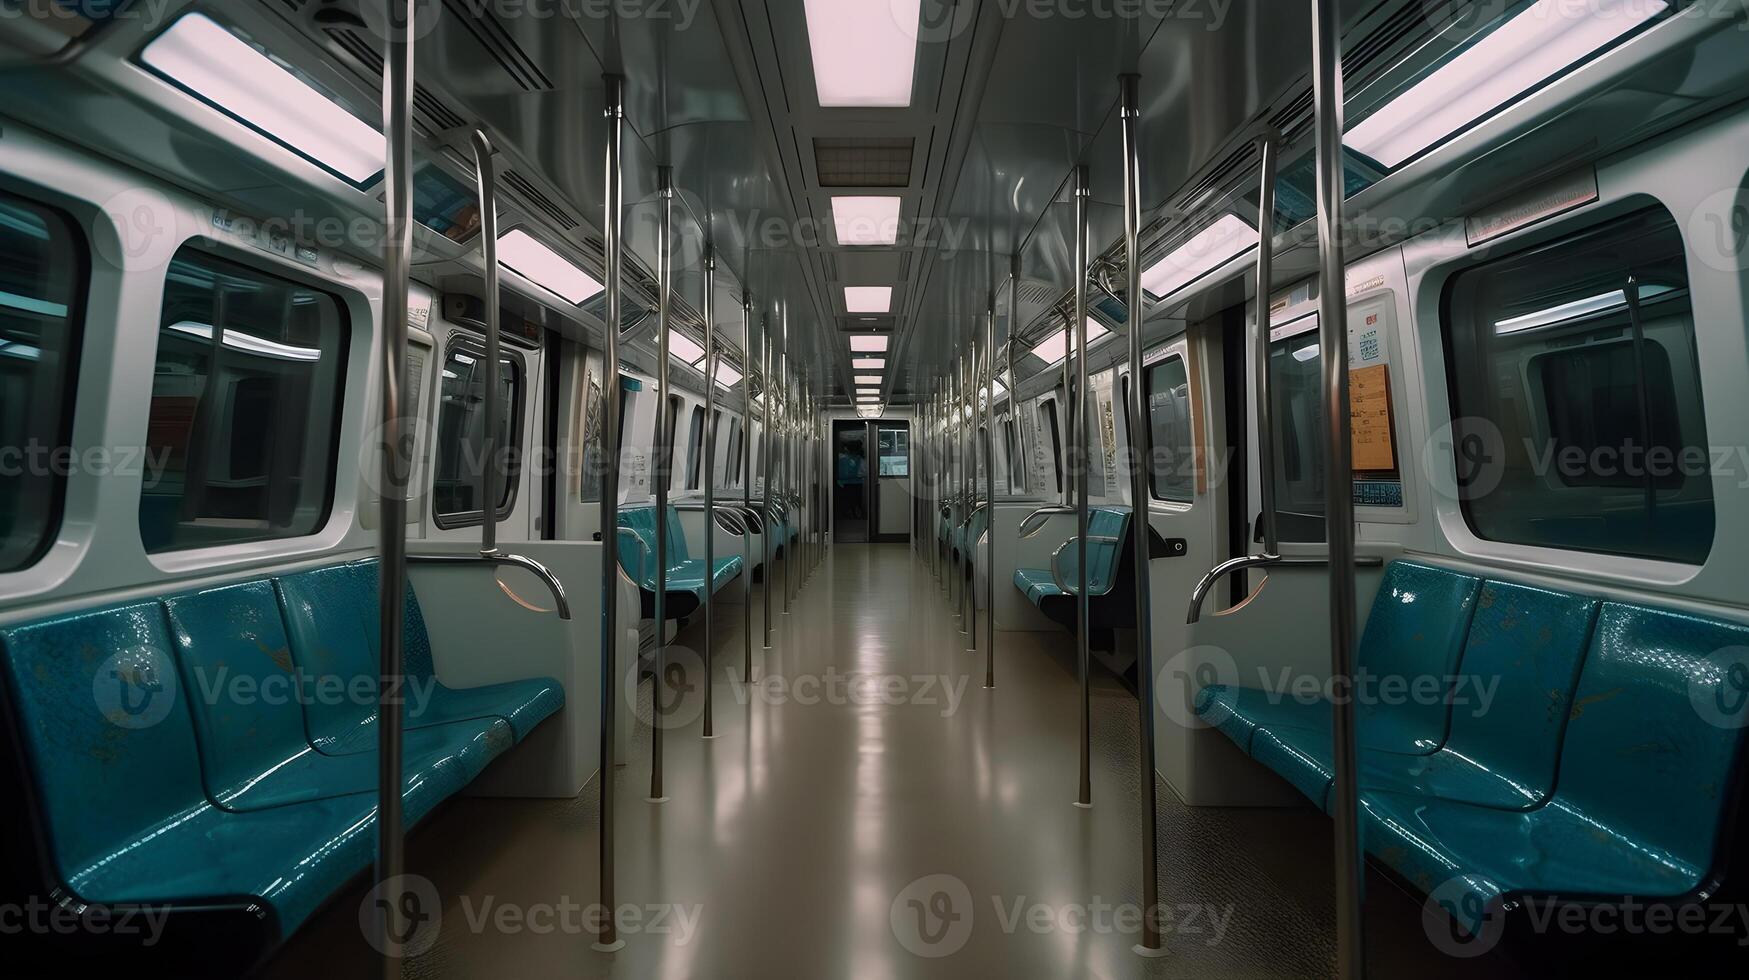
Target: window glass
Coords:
[(593, 443), (1050, 413), (1575, 386), (461, 433), (694, 447), (42, 282), (1016, 465), (246, 395), (1172, 472), (895, 452), (1297, 408)]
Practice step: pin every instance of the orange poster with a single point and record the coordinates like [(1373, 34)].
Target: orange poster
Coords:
[(1369, 411)]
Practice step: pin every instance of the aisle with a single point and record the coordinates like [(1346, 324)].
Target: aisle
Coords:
[(870, 811)]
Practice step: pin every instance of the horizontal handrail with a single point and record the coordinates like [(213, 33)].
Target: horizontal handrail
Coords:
[(1231, 565), (1056, 556), (513, 561), (1028, 527)]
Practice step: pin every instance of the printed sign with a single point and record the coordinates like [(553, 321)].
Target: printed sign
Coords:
[(1369, 411)]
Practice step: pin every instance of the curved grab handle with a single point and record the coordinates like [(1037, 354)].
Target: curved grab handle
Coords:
[(1057, 556), (515, 561), (1231, 565), (1036, 521)]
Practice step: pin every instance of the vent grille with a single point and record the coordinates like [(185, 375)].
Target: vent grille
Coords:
[(434, 114), (852, 161), (537, 200), (499, 44)]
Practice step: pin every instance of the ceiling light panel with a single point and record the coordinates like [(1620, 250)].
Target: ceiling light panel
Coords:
[(864, 51)]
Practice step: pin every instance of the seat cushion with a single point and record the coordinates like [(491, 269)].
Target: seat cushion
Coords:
[(1036, 584), (118, 780), (1240, 712), (332, 624), (247, 700)]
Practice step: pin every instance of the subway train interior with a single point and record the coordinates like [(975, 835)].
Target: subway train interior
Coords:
[(977, 488)]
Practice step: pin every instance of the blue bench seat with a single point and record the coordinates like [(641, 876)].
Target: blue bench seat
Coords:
[(685, 580), (1110, 605), (1588, 771), (331, 621), (168, 755)]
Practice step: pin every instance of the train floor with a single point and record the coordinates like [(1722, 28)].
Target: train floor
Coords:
[(870, 811)]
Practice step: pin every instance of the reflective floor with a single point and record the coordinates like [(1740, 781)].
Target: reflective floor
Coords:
[(870, 811)]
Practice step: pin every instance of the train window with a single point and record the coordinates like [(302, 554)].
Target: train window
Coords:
[(694, 447), (1016, 465), (1049, 410), (42, 282), (246, 394), (461, 433), (589, 483), (1171, 472), (1575, 386)]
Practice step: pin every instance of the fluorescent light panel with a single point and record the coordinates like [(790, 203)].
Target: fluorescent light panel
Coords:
[(868, 299), (868, 379), (868, 343), (727, 376), (1207, 250), (682, 347), (1542, 41), (866, 220), (865, 52), (868, 363), (523, 254), (1054, 348), (202, 56), (1590, 306)]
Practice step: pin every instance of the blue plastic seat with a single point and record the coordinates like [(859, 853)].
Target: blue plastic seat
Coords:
[(1516, 676), (247, 698), (332, 622), (1107, 553), (120, 789), (1417, 627), (1640, 804), (685, 579)]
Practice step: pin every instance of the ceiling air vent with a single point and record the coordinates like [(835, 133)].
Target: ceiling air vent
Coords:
[(499, 43), (857, 161), (538, 200), (434, 114)]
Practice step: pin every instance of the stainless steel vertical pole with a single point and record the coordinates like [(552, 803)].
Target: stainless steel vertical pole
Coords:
[(747, 486), (392, 541), (1080, 401), (486, 181), (785, 460), (664, 452), (614, 112), (1141, 457), (1266, 153), (767, 440), (1338, 479), (990, 495), (710, 476)]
